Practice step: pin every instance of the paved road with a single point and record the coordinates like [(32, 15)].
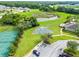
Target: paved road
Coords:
[(52, 50)]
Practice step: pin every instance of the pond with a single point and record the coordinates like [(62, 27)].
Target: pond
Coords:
[(46, 19), (6, 40)]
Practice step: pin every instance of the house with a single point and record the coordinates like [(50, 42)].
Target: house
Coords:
[(16, 9), (2, 7), (20, 9), (0, 17), (70, 26), (27, 9)]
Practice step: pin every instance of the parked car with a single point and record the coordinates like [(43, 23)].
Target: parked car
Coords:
[(36, 53), (65, 55)]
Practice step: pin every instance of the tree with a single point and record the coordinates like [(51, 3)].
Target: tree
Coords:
[(67, 10), (72, 44), (18, 20), (46, 37), (70, 51), (61, 9), (71, 48)]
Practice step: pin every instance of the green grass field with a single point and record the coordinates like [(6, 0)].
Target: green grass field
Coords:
[(27, 42), (6, 28), (56, 38), (35, 12), (54, 24)]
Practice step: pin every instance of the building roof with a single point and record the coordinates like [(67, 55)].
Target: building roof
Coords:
[(71, 25), (42, 30)]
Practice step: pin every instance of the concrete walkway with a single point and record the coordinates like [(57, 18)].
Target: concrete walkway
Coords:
[(61, 31)]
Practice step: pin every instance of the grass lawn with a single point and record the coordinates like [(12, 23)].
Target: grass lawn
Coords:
[(56, 38), (54, 24), (27, 42), (37, 13), (6, 28), (69, 33)]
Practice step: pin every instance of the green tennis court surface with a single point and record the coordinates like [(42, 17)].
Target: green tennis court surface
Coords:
[(6, 40)]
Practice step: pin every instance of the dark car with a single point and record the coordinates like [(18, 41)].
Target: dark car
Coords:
[(65, 55), (36, 53)]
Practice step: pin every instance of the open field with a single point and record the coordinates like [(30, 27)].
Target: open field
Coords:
[(27, 42), (37, 13)]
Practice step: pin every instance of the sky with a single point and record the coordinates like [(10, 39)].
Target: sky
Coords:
[(39, 0)]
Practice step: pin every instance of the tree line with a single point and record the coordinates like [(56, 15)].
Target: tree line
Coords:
[(67, 10), (41, 5), (32, 4)]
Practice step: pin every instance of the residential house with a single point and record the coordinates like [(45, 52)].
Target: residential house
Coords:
[(70, 26)]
